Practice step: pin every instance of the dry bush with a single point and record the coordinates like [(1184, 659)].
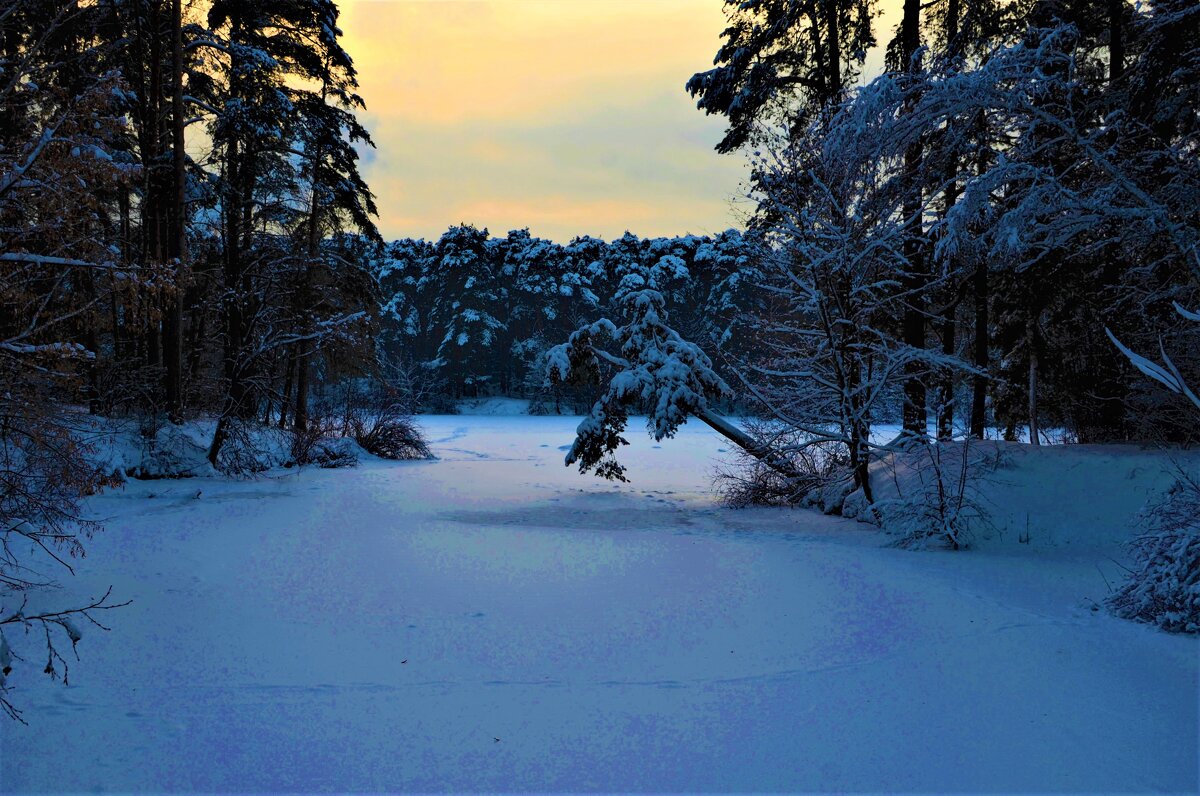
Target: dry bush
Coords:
[(45, 473), (749, 482), (250, 449), (378, 419), (320, 444)]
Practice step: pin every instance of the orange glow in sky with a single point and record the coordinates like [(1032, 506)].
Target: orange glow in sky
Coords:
[(566, 116)]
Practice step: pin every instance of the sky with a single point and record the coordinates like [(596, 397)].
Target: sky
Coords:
[(565, 116)]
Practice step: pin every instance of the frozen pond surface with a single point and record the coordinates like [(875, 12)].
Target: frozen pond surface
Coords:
[(495, 621)]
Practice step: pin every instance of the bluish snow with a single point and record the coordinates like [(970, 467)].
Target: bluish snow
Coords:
[(494, 621)]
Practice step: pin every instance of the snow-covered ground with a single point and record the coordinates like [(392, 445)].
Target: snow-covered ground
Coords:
[(494, 621)]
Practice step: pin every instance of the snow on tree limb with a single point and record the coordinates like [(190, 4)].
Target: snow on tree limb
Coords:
[(655, 370), (1168, 376)]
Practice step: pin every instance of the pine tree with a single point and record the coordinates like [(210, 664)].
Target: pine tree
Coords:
[(782, 62)]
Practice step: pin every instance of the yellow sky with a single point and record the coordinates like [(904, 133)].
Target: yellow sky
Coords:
[(566, 116)]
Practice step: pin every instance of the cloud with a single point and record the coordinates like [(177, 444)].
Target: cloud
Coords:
[(568, 116)]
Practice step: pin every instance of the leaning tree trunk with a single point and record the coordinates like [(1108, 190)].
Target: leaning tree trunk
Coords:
[(763, 453)]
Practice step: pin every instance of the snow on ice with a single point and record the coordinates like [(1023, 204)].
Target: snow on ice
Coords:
[(495, 621)]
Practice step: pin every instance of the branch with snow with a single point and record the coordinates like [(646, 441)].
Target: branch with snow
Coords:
[(1166, 374)]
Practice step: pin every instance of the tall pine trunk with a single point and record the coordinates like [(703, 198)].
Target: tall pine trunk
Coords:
[(945, 419), (285, 401), (1031, 343), (949, 331), (177, 242), (303, 369), (915, 281), (982, 341), (233, 201), (1116, 39)]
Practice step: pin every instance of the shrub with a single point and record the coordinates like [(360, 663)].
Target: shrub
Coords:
[(45, 473), (935, 499), (378, 418), (1163, 587), (747, 481)]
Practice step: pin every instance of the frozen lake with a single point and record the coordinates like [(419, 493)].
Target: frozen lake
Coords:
[(495, 621)]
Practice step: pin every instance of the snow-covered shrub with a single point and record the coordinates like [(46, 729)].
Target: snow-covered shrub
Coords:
[(330, 454), (394, 438), (933, 500), (390, 434), (250, 449), (309, 444), (1164, 587), (171, 452)]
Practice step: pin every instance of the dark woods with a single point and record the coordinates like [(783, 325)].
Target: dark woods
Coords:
[(965, 227), (179, 189), (182, 223)]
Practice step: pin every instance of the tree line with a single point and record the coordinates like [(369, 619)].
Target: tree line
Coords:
[(476, 315), (178, 195)]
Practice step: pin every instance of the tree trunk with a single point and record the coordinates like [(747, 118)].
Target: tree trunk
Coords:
[(177, 240), (197, 327), (1116, 39), (834, 55), (979, 380), (151, 140), (286, 400), (219, 437), (233, 202), (913, 324), (302, 373), (946, 398), (860, 458), (953, 10), (1031, 343), (153, 332), (747, 443)]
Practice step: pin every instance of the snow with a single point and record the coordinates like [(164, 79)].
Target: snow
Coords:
[(494, 406), (495, 621)]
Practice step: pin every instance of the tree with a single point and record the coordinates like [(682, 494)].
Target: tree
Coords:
[(650, 368), (271, 46), (782, 62), (57, 270), (469, 304), (1164, 587), (826, 359)]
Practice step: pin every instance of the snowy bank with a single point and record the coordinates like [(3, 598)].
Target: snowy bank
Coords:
[(1047, 496), (126, 450)]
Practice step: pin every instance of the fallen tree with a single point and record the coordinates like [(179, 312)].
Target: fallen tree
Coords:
[(650, 366)]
